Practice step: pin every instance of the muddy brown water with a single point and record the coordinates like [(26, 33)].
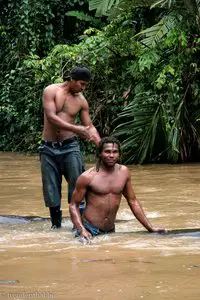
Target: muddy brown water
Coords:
[(37, 263)]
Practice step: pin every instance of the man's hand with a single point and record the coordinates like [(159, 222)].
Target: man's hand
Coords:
[(84, 132), (159, 230), (95, 138), (86, 236)]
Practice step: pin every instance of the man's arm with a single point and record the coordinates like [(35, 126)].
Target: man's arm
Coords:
[(77, 196), (86, 121), (50, 112), (136, 207)]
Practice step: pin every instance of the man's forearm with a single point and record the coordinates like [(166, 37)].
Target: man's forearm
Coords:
[(140, 215), (57, 121), (76, 217), (95, 135)]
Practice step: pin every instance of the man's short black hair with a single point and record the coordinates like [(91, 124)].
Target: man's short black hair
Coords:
[(80, 73)]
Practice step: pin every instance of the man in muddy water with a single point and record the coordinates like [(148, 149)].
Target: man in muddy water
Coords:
[(103, 187), (59, 149)]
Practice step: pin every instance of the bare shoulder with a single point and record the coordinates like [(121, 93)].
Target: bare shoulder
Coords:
[(124, 169), (83, 100), (87, 176), (52, 88)]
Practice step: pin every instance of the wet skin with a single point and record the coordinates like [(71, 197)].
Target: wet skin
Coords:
[(62, 103), (103, 190)]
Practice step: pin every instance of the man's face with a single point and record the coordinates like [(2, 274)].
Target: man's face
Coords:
[(110, 154), (78, 86)]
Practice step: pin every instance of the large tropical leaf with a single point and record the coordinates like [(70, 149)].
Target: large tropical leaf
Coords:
[(171, 127), (188, 7), (150, 37), (139, 123), (193, 6), (102, 6), (179, 127), (164, 3), (84, 17)]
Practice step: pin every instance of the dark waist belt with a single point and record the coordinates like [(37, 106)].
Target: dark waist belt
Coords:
[(58, 144)]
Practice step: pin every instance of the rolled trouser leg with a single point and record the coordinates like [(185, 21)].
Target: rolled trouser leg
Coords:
[(52, 180), (74, 167)]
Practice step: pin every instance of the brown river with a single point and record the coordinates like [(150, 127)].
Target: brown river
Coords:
[(131, 264)]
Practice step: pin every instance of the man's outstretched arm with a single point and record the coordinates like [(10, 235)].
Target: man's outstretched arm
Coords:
[(136, 207), (77, 196)]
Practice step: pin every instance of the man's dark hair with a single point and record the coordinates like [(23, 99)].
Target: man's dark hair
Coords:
[(79, 73), (106, 140)]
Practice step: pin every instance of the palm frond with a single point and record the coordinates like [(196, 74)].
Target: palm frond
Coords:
[(128, 5), (102, 6), (136, 3), (163, 3), (193, 7), (188, 7), (153, 35), (84, 17), (171, 124), (138, 127)]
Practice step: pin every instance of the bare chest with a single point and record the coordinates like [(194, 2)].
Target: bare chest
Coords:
[(107, 185), (67, 104)]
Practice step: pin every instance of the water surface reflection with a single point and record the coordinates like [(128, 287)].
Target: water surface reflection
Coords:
[(130, 264)]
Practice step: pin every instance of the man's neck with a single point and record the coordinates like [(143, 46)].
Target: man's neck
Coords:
[(107, 169), (65, 85), (67, 88)]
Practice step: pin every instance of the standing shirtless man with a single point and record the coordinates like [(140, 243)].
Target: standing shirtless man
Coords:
[(59, 149), (103, 187)]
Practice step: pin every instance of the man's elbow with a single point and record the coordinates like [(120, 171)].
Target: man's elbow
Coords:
[(72, 207), (51, 118)]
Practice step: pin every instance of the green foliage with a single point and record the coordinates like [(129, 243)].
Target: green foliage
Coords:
[(151, 55), (102, 6), (139, 122), (160, 122), (153, 35), (85, 17), (106, 7), (29, 31)]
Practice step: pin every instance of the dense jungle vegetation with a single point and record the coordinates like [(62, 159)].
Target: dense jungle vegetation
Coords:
[(144, 57)]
